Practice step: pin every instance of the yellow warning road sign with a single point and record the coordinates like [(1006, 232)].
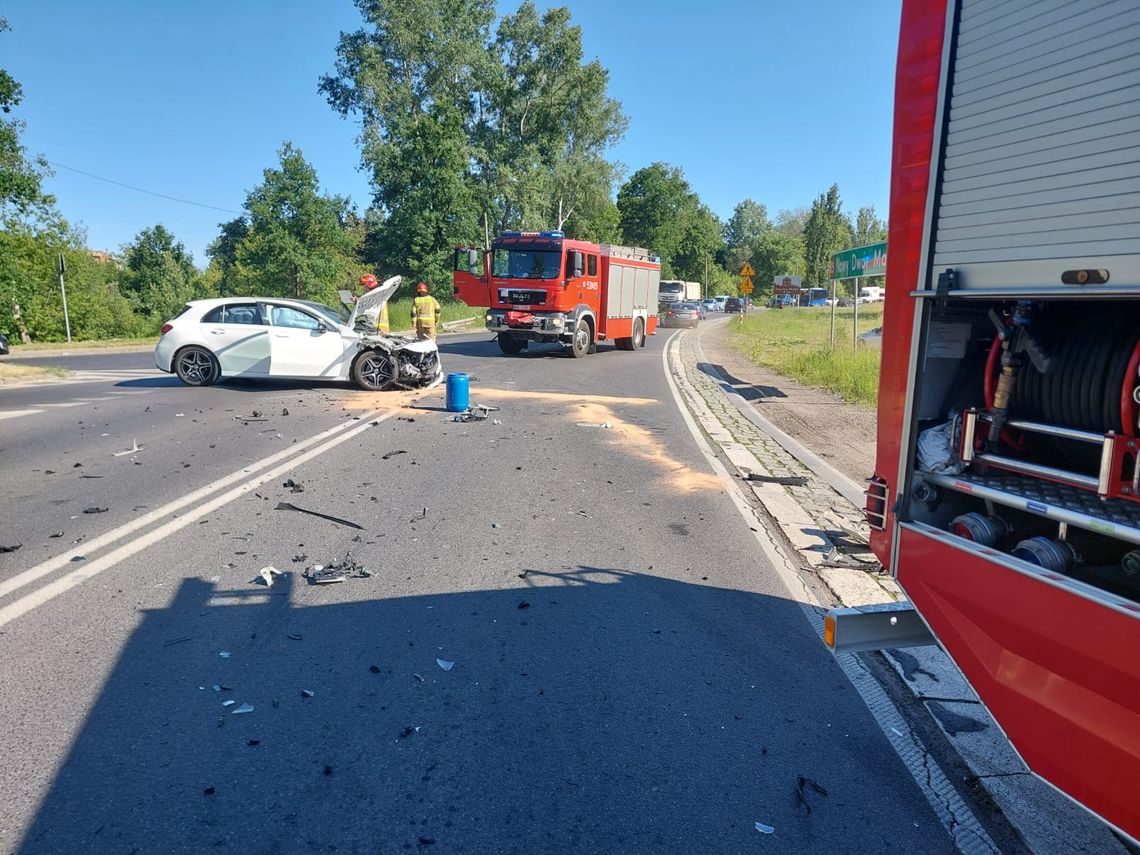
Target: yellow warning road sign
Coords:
[(745, 285), (746, 270)]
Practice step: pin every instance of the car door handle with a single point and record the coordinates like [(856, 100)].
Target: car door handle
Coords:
[(217, 332)]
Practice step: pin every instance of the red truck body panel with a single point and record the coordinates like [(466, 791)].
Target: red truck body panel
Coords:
[(1057, 663)]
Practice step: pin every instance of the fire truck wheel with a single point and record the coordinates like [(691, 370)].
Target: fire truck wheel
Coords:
[(374, 370), (581, 343), (510, 344), (639, 333)]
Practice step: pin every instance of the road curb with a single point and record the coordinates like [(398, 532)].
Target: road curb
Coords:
[(1046, 820)]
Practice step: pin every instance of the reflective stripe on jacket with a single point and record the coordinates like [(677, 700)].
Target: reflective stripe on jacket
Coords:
[(425, 309)]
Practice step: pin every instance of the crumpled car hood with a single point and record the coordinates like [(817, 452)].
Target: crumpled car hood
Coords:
[(369, 305)]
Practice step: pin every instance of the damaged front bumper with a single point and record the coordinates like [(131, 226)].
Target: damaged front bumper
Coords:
[(417, 361), (533, 326)]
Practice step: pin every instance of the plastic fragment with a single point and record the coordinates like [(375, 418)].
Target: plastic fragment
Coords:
[(444, 664), (228, 703), (286, 506), (764, 829), (418, 677), (267, 574), (94, 510), (209, 791), (134, 449), (296, 637), (14, 546), (56, 534), (308, 693), (375, 669), (225, 654), (244, 708), (294, 486)]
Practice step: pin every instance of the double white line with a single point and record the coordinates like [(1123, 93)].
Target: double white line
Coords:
[(247, 479)]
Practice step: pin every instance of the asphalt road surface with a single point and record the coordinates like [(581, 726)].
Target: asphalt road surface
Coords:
[(628, 674)]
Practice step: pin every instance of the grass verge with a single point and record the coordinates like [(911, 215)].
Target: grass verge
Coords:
[(795, 342), (10, 373), (101, 344), (400, 313)]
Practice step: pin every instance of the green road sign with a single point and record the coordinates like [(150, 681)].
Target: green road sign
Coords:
[(860, 261)]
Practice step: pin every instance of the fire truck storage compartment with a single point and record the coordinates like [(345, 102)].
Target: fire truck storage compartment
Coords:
[(1041, 165), (1051, 478)]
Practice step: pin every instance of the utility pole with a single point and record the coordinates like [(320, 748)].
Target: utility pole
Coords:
[(706, 288), (62, 267)]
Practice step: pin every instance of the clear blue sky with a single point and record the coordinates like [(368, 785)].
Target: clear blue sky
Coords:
[(751, 98)]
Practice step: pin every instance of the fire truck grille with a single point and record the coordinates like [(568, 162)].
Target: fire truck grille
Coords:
[(523, 298)]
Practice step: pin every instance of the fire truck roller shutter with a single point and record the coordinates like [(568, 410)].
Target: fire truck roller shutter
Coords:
[(1042, 157)]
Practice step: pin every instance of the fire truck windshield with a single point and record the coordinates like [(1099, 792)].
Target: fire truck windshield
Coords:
[(524, 263)]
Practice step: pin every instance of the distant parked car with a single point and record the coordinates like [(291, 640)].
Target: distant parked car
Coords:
[(681, 315), (3, 345), (733, 304), (710, 305)]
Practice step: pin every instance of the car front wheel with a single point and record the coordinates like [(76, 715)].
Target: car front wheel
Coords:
[(374, 371), (196, 366)]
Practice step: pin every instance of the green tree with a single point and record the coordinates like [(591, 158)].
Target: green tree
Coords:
[(159, 275), (465, 135), (775, 254), (791, 221), (868, 227), (826, 232), (748, 222), (410, 75), (24, 208), (656, 206), (223, 252), (296, 242)]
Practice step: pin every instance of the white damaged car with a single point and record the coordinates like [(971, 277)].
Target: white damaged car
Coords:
[(271, 337)]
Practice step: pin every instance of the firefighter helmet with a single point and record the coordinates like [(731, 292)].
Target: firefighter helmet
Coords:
[(422, 288), (368, 281)]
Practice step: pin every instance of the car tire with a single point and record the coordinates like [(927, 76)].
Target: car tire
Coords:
[(511, 344), (196, 366), (581, 344), (374, 371)]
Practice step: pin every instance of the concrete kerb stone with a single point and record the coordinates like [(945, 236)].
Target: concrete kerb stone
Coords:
[(810, 515)]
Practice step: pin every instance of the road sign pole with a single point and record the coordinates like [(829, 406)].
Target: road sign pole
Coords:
[(855, 323), (62, 266), (834, 302)]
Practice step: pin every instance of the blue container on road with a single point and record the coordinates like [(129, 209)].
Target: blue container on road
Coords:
[(457, 393)]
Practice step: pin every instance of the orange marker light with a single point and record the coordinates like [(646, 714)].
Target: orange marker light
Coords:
[(829, 631)]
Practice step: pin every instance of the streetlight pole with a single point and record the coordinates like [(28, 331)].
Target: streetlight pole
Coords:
[(62, 266)]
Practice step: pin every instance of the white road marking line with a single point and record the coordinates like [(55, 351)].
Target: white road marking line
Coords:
[(52, 564), (65, 404), (15, 414), (92, 568)]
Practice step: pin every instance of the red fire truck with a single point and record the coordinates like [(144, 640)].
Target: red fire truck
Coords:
[(545, 287), (1006, 496)]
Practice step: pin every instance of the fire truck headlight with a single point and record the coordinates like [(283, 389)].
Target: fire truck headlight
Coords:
[(556, 322)]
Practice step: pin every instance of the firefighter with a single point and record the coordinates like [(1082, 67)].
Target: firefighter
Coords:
[(368, 282), (425, 312)]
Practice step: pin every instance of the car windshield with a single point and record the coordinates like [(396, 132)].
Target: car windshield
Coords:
[(524, 263), (335, 315), (671, 288)]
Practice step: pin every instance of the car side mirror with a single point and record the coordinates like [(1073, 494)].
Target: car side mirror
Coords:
[(473, 261), (322, 328), (576, 259)]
